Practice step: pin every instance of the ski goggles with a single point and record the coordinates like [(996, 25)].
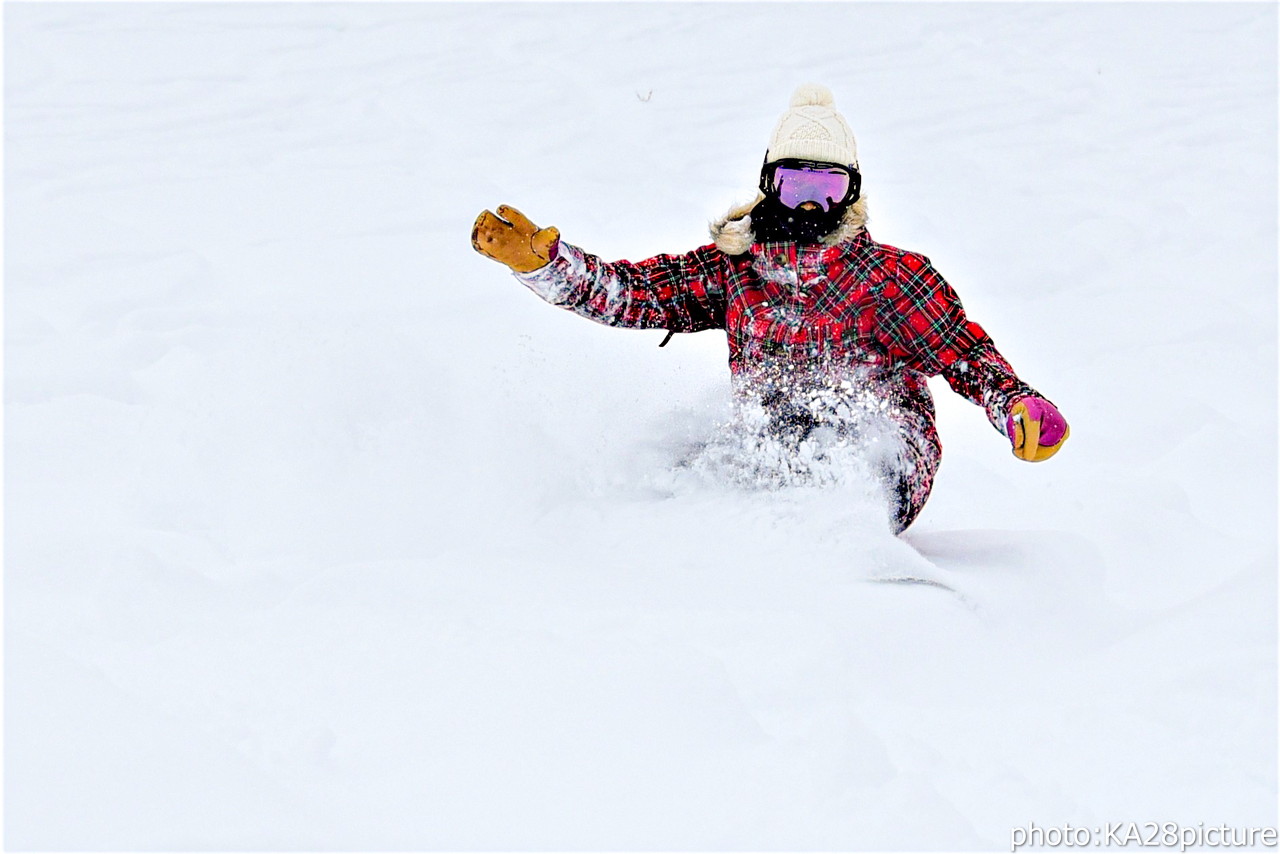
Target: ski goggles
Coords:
[(825, 185)]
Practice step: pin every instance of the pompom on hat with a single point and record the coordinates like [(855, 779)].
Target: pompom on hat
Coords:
[(813, 130)]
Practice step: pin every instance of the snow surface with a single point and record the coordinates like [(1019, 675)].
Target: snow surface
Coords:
[(322, 532)]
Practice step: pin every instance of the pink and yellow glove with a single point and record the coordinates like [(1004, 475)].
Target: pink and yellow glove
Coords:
[(1037, 429)]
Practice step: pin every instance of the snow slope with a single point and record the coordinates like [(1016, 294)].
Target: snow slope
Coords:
[(323, 533)]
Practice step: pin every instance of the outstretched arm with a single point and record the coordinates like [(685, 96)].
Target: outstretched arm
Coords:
[(682, 293), (925, 324), (1033, 425)]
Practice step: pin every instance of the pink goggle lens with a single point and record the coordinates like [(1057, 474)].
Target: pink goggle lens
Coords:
[(797, 186)]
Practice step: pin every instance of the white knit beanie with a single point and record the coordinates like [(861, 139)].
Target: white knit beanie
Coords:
[(813, 130)]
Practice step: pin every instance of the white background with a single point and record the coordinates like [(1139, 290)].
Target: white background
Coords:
[(322, 532)]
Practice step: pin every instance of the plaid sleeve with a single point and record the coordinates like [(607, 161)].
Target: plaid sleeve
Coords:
[(983, 376), (682, 293), (922, 324)]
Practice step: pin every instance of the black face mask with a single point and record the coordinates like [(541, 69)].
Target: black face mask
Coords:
[(774, 222)]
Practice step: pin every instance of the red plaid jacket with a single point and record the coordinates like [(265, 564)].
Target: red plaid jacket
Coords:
[(858, 302)]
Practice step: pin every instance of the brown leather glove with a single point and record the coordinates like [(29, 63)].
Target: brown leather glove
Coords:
[(511, 238)]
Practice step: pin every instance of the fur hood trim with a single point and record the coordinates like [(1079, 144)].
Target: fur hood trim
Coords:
[(732, 233)]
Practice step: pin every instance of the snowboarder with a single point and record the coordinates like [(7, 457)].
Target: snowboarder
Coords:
[(816, 311)]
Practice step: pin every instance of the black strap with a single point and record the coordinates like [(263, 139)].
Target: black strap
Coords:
[(670, 332)]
